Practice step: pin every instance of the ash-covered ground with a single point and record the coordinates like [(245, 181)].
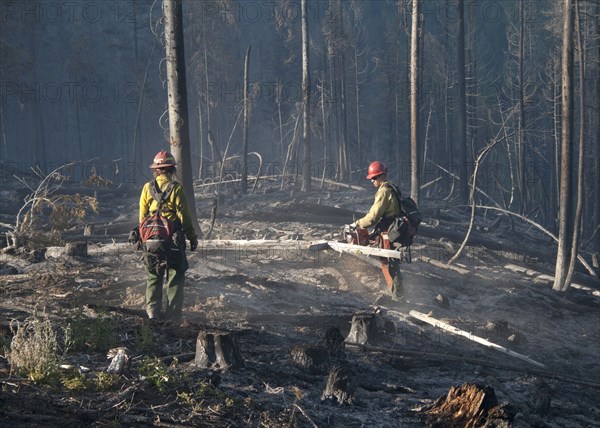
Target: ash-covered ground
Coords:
[(277, 299)]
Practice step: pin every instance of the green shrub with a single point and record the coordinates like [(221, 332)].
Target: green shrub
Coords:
[(93, 334), (106, 381), (158, 374)]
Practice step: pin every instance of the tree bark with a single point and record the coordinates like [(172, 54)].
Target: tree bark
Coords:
[(218, 349), (306, 161), (580, 163), (414, 103), (244, 184), (565, 213), (461, 146), (177, 100), (521, 117)]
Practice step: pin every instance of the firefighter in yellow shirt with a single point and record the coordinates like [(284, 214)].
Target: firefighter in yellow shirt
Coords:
[(385, 208), (175, 208)]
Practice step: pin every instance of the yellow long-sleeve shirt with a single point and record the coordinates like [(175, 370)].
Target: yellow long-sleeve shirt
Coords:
[(385, 205), (175, 207)]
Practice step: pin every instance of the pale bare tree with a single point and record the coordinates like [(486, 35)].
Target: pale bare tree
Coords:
[(565, 212), (179, 131), (244, 183), (306, 161), (414, 103)]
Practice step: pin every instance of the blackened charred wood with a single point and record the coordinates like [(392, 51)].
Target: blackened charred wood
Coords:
[(314, 359), (340, 386), (466, 405), (363, 330), (333, 342), (76, 249), (218, 350)]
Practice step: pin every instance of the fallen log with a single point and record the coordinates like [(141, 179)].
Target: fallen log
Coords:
[(370, 251), (443, 265), (442, 359), (454, 330), (211, 245)]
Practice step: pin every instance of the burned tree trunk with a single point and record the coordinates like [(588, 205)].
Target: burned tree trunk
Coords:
[(363, 330), (179, 129), (314, 359), (340, 386), (565, 213), (306, 160), (469, 405), (414, 103), (244, 185), (218, 349), (461, 145), (76, 249)]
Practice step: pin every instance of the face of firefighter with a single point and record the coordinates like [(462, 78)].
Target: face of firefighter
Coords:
[(379, 180)]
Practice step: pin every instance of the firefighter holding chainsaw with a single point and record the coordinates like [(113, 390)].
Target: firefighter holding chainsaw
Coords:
[(385, 208), (166, 196)]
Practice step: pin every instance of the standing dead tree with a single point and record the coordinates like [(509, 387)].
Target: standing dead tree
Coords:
[(565, 213), (306, 160), (244, 186), (179, 130), (414, 103)]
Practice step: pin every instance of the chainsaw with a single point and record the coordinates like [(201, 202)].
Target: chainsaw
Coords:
[(356, 235)]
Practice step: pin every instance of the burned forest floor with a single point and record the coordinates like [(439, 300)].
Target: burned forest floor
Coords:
[(284, 302)]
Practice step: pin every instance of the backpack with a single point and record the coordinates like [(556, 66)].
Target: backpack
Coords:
[(403, 228), (156, 231)]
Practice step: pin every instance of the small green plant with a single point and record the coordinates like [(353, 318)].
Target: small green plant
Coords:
[(74, 382), (157, 374), (34, 351), (145, 338), (189, 399), (106, 381), (94, 334), (205, 389)]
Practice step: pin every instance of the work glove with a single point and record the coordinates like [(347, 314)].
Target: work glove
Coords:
[(193, 244)]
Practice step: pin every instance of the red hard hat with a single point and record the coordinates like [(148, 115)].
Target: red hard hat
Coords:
[(163, 159), (376, 168)]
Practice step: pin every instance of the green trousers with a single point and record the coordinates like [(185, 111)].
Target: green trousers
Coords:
[(154, 289)]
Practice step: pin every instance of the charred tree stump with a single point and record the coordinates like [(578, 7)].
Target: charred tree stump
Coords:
[(218, 349), (340, 386), (314, 359), (469, 406), (88, 230), (120, 361), (76, 249), (363, 330), (333, 342)]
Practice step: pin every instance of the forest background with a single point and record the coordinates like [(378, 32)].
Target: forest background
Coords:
[(86, 80)]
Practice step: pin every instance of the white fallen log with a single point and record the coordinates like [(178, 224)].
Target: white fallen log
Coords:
[(547, 279), (338, 184), (212, 244), (443, 265), (454, 330), (370, 251)]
